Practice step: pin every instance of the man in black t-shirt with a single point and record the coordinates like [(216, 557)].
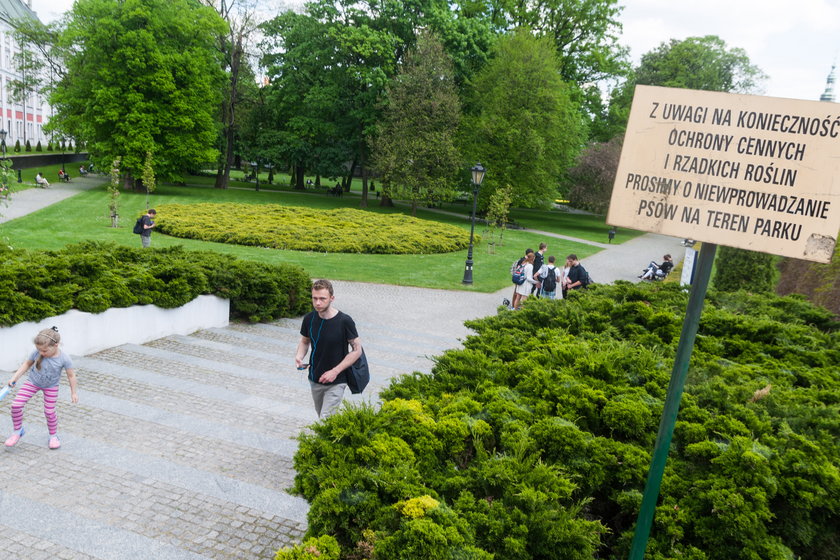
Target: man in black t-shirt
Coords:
[(328, 332), (539, 260), (577, 274)]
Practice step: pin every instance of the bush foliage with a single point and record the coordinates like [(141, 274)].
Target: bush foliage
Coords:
[(342, 230), (93, 277), (534, 440)]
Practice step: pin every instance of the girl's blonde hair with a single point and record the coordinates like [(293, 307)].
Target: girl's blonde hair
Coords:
[(46, 337)]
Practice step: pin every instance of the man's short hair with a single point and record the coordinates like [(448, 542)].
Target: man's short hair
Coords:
[(151, 211), (543, 246), (668, 256), (322, 284), (551, 259), (528, 251), (572, 257)]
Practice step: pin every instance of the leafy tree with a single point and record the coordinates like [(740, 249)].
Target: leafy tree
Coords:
[(704, 63), (498, 210), (584, 33), (142, 76), (415, 150), (590, 181), (114, 193), (525, 129), (241, 20)]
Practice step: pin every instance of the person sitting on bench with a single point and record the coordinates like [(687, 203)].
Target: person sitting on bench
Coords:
[(41, 181), (63, 176)]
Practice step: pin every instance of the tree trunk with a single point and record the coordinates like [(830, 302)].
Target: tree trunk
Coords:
[(364, 202), (229, 115), (299, 170), (317, 180), (348, 180)]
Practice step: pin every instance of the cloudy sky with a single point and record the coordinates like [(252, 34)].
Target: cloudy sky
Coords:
[(795, 42)]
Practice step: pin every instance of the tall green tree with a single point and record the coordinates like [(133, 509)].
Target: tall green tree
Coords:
[(415, 150), (704, 63), (142, 76), (526, 129)]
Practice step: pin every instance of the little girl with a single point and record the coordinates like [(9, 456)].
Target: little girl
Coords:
[(48, 361)]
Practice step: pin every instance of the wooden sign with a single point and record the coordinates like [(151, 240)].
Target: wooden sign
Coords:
[(758, 173)]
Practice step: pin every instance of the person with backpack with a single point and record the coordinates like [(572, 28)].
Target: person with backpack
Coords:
[(523, 290), (578, 277), (144, 226), (550, 276), (517, 274)]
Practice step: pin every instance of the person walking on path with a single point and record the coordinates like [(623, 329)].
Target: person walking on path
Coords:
[(44, 366), (148, 224), (611, 234), (328, 332)]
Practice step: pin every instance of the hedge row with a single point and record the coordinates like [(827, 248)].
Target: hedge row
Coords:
[(93, 277), (534, 441), (305, 229)]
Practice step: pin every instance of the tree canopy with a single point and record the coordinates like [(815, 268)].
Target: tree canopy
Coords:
[(525, 127), (415, 151), (142, 76)]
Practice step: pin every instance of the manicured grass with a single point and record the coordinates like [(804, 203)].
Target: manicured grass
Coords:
[(86, 217)]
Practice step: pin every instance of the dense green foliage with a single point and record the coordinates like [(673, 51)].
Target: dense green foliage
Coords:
[(93, 277), (343, 230), (525, 126), (739, 269), (420, 166), (142, 76), (533, 442), (704, 63)]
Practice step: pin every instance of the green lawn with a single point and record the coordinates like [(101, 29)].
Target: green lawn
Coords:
[(85, 217)]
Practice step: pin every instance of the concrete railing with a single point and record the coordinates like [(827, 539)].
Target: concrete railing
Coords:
[(84, 333)]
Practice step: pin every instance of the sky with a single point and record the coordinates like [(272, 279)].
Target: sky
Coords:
[(795, 42)]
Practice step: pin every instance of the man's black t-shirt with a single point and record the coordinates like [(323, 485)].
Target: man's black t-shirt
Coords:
[(328, 343), (577, 274)]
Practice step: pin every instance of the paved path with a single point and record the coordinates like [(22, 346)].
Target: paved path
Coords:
[(181, 449)]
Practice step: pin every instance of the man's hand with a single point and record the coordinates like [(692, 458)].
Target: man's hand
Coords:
[(328, 376)]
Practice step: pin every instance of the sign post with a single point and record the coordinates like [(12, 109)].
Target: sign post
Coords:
[(757, 173)]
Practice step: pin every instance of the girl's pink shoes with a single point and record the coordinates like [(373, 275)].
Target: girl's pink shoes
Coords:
[(55, 443), (14, 438)]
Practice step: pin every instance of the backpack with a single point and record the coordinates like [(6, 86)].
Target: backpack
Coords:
[(587, 280), (138, 225), (549, 284), (517, 275)]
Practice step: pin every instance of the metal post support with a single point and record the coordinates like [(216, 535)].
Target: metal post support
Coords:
[(672, 401), (468, 266)]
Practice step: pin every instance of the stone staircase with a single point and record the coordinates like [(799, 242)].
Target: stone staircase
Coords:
[(181, 448)]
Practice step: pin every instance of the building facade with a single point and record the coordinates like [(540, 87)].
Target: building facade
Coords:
[(22, 119)]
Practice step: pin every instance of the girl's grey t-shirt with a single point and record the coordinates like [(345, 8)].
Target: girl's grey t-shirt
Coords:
[(50, 372)]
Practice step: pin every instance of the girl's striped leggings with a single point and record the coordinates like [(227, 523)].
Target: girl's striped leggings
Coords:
[(26, 392)]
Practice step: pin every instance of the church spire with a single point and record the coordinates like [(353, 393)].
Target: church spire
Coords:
[(828, 94)]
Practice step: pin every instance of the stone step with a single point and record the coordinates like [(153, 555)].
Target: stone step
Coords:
[(180, 448)]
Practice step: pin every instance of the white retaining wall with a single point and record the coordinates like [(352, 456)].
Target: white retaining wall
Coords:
[(84, 333)]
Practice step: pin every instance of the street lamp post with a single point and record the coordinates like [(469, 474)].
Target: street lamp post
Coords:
[(477, 178), (63, 140)]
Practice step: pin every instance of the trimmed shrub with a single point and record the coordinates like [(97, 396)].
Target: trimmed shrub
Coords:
[(28, 147), (93, 277), (38, 147), (534, 440), (304, 229)]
